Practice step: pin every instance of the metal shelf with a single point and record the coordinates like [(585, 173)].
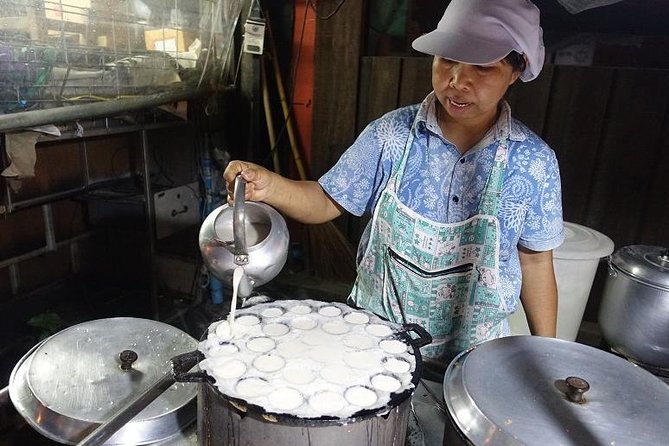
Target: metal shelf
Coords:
[(64, 60)]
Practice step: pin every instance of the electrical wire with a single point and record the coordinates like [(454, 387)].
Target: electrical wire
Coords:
[(229, 56), (161, 170), (210, 44), (313, 6), (293, 76), (98, 98), (255, 7), (237, 69)]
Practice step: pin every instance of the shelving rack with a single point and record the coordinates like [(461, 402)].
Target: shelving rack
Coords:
[(91, 58)]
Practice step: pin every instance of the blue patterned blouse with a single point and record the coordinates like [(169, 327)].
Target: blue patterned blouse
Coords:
[(446, 187)]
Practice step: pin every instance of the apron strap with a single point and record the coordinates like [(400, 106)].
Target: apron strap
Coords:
[(492, 192)]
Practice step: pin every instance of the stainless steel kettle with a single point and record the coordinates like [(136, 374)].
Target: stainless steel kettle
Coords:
[(248, 234)]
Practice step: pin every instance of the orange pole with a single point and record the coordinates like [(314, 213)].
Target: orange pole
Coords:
[(287, 113), (303, 90)]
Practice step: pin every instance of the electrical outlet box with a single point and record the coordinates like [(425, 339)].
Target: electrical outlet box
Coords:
[(254, 36), (176, 209)]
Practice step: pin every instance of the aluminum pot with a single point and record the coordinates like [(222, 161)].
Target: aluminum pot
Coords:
[(232, 421), (530, 390), (222, 421), (634, 312), (69, 384)]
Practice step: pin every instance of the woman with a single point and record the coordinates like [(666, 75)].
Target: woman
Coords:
[(465, 200)]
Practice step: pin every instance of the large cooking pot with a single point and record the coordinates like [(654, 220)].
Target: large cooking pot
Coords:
[(226, 419), (530, 390), (229, 419), (71, 383), (634, 312)]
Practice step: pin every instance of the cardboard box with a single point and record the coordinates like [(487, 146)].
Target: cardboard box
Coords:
[(169, 40)]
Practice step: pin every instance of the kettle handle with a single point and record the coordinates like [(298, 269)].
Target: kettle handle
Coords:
[(239, 222)]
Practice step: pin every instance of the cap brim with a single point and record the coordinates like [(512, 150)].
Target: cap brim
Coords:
[(464, 49)]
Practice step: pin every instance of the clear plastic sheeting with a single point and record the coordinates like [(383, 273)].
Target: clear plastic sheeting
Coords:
[(63, 52)]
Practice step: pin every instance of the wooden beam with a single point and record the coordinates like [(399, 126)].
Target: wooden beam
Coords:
[(379, 88), (573, 128), (337, 63), (529, 100), (416, 80)]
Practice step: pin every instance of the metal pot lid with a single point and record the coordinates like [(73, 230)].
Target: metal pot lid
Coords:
[(583, 243), (513, 391), (648, 264), (73, 381)]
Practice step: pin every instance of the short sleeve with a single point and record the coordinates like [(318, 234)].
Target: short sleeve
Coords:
[(543, 228), (356, 181)]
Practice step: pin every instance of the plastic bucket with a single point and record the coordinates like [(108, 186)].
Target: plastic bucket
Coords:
[(575, 263)]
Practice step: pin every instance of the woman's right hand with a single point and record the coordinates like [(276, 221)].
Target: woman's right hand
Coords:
[(304, 201), (258, 180)]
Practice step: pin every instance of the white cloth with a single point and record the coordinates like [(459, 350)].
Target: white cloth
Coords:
[(20, 148), (576, 6)]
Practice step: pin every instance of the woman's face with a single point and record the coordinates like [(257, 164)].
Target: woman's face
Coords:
[(469, 94)]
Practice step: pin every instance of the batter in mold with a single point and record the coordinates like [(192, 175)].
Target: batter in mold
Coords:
[(308, 359)]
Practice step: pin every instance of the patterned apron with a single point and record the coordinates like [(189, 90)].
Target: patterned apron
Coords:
[(443, 276)]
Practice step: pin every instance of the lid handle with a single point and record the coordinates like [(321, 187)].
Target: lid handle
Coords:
[(664, 257), (127, 357), (576, 388)]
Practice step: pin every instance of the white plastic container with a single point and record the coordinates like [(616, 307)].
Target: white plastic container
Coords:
[(575, 263)]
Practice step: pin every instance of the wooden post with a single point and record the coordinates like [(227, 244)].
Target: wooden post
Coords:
[(337, 61)]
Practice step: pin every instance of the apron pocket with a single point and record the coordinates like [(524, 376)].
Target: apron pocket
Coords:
[(464, 268), (437, 300)]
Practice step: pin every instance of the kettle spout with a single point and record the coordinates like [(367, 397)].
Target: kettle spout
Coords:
[(245, 287)]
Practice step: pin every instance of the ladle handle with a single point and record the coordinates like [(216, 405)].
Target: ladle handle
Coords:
[(239, 222), (126, 413), (180, 365)]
